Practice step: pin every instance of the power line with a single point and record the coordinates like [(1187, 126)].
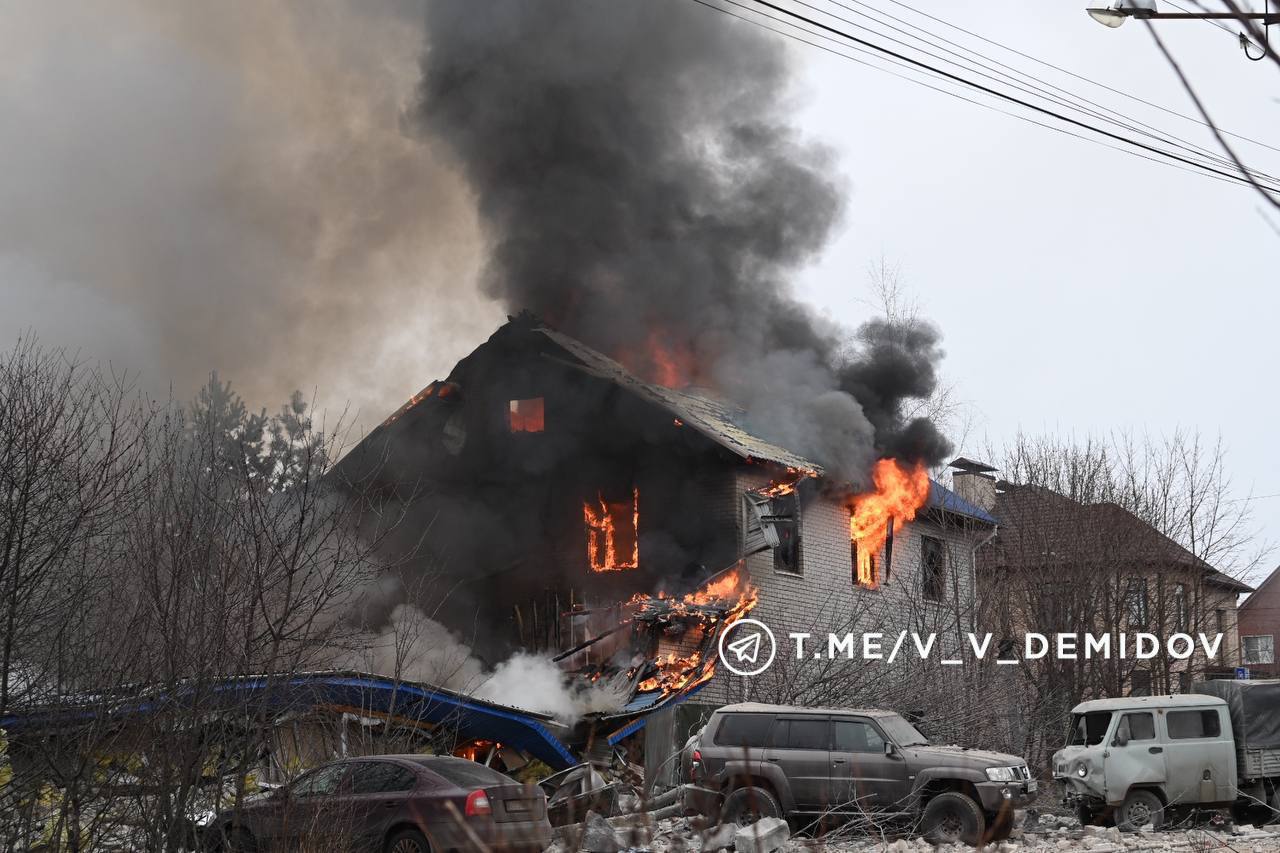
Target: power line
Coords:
[(1002, 95), (1217, 24), (1195, 168), (1080, 77), (1068, 99)]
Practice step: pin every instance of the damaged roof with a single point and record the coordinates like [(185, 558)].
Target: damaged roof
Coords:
[(719, 422)]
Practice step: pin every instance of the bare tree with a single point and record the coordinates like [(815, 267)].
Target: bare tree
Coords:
[(1104, 536)]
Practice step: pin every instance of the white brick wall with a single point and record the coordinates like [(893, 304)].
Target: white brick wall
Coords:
[(823, 597)]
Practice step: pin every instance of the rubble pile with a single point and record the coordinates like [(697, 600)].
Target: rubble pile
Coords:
[(1041, 834)]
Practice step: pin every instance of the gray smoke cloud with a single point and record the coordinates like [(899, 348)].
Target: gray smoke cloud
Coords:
[(642, 189), (293, 194), (415, 647), (227, 186)]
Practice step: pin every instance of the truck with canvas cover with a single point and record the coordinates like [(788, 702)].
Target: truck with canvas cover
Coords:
[(1140, 760)]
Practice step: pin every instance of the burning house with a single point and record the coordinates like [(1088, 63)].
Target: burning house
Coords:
[(616, 525)]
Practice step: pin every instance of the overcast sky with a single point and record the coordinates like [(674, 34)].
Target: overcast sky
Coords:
[(1079, 289)]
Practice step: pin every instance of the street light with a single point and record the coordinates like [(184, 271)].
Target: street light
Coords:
[(1116, 14), (1122, 10)]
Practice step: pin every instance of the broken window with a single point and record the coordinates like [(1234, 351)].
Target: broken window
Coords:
[(525, 415), (933, 568), (1135, 602), (786, 524), (612, 532), (865, 574)]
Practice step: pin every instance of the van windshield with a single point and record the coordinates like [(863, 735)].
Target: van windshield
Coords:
[(1089, 729), (900, 731)]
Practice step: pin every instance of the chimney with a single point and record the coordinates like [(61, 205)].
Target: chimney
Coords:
[(974, 482)]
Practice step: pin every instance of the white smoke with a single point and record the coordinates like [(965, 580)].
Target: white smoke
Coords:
[(415, 647)]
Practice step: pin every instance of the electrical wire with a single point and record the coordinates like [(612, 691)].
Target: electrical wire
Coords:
[(1067, 99), (1217, 24), (1211, 174), (1002, 95), (1080, 77)]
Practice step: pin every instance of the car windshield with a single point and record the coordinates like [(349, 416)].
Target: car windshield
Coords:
[(901, 732), (463, 773), (1089, 729)]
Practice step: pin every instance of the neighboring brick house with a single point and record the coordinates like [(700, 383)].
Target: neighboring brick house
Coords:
[(1061, 566), (1259, 621)]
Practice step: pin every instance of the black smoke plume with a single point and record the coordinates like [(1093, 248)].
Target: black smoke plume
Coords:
[(642, 190)]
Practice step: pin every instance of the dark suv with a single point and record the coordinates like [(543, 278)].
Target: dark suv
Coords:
[(756, 760)]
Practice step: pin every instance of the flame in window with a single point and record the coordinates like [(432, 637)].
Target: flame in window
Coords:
[(526, 415), (613, 540), (899, 493)]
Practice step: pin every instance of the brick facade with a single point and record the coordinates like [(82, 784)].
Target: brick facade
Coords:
[(1259, 620), (823, 597)]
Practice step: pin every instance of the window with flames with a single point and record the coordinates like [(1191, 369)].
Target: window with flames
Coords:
[(612, 532), (526, 415)]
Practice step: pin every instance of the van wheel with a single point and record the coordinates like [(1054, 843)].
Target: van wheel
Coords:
[(749, 804), (949, 818), (1139, 809)]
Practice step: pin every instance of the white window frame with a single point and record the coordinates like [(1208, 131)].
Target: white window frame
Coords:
[(1266, 652)]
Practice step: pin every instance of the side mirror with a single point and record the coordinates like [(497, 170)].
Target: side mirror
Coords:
[(1121, 739), (889, 749)]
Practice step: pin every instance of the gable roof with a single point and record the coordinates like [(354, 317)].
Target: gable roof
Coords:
[(717, 421), (1040, 524), (1266, 582)]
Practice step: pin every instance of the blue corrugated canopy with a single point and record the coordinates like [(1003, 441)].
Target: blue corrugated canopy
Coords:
[(358, 692)]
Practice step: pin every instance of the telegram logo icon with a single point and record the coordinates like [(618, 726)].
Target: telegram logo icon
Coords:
[(742, 647)]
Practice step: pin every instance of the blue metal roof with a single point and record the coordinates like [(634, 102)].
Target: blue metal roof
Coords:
[(420, 703), (940, 497), (651, 703)]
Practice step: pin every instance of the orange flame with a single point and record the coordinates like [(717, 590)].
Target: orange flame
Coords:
[(608, 534), (899, 493), (787, 484), (731, 594), (659, 361)]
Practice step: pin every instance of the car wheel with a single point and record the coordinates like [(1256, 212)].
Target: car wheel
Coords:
[(408, 841), (1139, 809), (951, 817), (749, 804)]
